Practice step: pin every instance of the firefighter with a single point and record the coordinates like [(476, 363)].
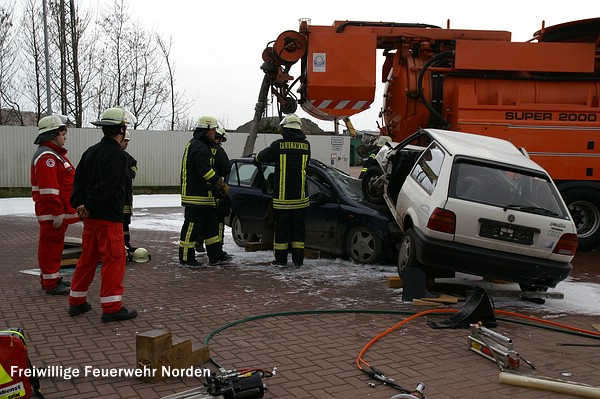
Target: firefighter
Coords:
[(51, 185), (371, 161), (199, 180), (290, 155), (222, 168), (99, 195), (131, 171)]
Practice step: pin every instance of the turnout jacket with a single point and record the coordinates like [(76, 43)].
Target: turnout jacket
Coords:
[(100, 180), (197, 171), (290, 155), (51, 183), (130, 172)]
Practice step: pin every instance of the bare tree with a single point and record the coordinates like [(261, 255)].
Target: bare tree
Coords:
[(9, 95), (179, 107), (33, 52)]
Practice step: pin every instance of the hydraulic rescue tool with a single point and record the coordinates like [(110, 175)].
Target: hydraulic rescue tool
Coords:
[(494, 346)]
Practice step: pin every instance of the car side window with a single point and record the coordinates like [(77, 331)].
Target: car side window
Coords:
[(428, 167), (243, 174), (313, 188), (268, 172)]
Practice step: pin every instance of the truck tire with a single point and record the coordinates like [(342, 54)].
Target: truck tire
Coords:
[(373, 194), (584, 206)]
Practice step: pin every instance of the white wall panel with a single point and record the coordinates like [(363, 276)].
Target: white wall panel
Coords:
[(158, 153)]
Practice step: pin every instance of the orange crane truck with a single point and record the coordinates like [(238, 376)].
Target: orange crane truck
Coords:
[(542, 95)]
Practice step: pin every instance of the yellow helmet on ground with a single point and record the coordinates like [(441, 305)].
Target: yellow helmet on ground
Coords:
[(207, 122), (115, 116), (140, 255), (291, 122)]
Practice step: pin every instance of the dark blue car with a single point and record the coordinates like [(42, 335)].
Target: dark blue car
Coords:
[(339, 221)]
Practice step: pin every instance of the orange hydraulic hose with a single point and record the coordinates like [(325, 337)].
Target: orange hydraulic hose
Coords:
[(552, 323), (359, 359)]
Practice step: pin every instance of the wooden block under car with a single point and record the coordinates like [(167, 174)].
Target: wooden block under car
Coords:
[(258, 246), (394, 281), (158, 348)]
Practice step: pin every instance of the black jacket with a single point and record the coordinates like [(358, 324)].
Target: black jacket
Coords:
[(100, 181), (197, 172), (130, 171), (290, 155)]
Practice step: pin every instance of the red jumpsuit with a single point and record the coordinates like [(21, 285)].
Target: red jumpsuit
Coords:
[(51, 185)]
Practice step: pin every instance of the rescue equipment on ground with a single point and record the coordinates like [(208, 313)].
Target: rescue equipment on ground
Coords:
[(13, 356), (236, 384), (495, 347)]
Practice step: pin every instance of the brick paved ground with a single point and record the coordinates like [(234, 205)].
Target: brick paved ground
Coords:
[(314, 353)]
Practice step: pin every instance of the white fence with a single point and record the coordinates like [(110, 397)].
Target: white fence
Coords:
[(158, 153)]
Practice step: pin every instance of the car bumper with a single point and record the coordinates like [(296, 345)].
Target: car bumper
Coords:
[(451, 256)]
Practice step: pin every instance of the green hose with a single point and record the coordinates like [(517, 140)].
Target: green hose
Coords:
[(397, 312)]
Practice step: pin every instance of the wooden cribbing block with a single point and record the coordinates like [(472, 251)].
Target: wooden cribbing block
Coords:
[(312, 253), (156, 349), (258, 246), (394, 281)]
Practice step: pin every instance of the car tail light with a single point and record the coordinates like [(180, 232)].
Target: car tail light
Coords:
[(567, 245), (442, 220)]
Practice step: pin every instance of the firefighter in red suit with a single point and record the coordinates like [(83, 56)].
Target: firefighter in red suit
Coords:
[(99, 196), (51, 184)]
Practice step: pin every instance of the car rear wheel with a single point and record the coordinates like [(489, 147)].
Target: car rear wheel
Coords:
[(364, 246), (406, 253), (239, 237), (372, 185)]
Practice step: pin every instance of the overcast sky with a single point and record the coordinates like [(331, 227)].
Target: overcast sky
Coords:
[(218, 44)]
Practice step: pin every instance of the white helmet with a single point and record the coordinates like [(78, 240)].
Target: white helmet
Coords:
[(222, 133), (291, 122), (382, 140), (115, 116), (207, 122), (47, 125), (140, 255)]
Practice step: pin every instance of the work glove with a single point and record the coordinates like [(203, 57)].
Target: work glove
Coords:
[(222, 186), (58, 221), (225, 189), (255, 162)]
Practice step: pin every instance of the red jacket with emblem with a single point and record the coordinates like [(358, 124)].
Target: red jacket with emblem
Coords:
[(51, 183)]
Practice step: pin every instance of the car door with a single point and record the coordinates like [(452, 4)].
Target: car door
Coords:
[(322, 216), (250, 195)]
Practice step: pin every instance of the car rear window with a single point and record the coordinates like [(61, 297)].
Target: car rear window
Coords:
[(507, 187)]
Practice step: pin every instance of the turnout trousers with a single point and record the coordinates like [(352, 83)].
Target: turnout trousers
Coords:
[(50, 247), (200, 222), (289, 234), (102, 240)]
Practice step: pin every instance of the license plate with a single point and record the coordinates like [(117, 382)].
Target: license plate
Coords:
[(506, 232)]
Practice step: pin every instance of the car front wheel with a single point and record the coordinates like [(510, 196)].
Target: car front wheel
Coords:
[(406, 253), (239, 237), (364, 246), (372, 185)]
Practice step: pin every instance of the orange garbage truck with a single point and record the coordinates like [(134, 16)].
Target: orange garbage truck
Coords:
[(542, 95)]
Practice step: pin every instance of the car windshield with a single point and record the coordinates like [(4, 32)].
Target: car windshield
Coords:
[(506, 187), (350, 186)]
